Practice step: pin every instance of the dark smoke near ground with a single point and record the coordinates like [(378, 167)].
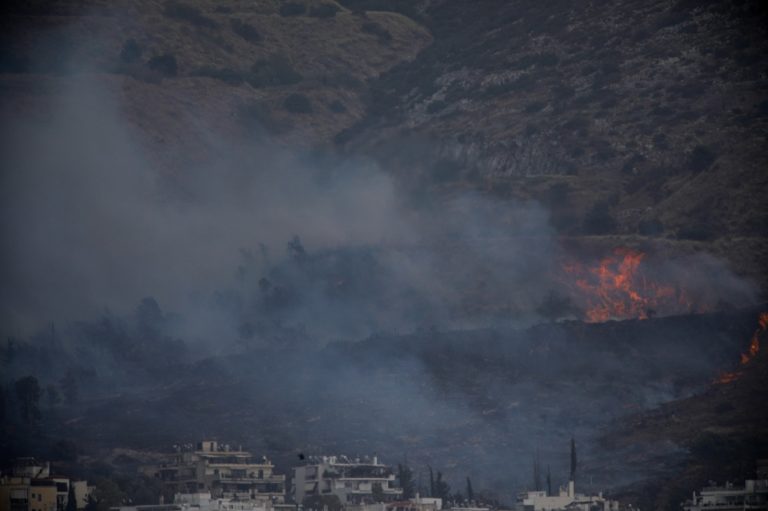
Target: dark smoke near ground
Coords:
[(303, 303)]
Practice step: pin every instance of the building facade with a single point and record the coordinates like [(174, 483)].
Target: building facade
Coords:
[(752, 495), (566, 498), (29, 486), (353, 481), (225, 472)]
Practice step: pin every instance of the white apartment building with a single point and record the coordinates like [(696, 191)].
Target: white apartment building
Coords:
[(566, 498), (352, 480), (226, 472), (753, 495)]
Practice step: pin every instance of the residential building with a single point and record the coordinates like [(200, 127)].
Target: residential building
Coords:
[(29, 486), (352, 480), (223, 471), (416, 504), (752, 495), (202, 501), (566, 498)]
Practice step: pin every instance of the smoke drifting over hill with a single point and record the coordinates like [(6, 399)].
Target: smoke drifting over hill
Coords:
[(312, 301)]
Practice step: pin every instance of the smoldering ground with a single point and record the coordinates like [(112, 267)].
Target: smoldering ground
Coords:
[(262, 257)]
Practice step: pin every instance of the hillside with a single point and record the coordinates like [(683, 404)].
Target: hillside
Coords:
[(643, 118), (190, 75)]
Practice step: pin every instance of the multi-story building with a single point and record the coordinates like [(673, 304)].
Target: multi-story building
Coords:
[(225, 472), (353, 481), (566, 498), (29, 486), (753, 495)]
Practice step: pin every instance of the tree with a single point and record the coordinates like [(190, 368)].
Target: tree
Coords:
[(71, 498), (573, 459), (296, 249), (405, 478), (107, 494), (377, 493), (2, 404), (52, 396), (69, 387), (536, 473), (322, 502), (28, 392), (470, 492), (442, 489), (599, 220)]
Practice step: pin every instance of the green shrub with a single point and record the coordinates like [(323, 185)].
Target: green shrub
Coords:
[(599, 220), (701, 158), (131, 52), (183, 12), (695, 232), (337, 107), (164, 65), (256, 118), (272, 72), (324, 11), (245, 30), (373, 28), (436, 106), (298, 104), (650, 227), (230, 76), (534, 107), (292, 9)]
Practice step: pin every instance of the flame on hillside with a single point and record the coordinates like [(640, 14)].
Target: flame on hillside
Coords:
[(620, 287), (752, 351)]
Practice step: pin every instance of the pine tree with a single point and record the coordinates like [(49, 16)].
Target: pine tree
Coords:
[(536, 474), (28, 391), (405, 478), (573, 459), (71, 498)]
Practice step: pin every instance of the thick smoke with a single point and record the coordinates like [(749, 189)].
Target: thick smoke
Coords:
[(89, 224), (272, 254)]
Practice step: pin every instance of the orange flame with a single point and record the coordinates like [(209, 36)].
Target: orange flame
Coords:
[(617, 288), (754, 344), (754, 349)]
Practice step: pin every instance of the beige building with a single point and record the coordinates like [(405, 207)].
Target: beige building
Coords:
[(353, 481), (566, 498), (30, 487), (225, 472)]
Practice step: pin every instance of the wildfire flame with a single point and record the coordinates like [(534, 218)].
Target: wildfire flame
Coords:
[(618, 288), (752, 351)]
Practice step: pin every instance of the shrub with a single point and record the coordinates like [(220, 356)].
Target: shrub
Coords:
[(230, 76), (324, 11), (245, 30), (599, 220), (701, 158), (292, 9), (274, 71), (298, 104), (446, 170), (696, 232), (436, 106), (179, 11), (534, 107), (255, 117), (131, 52), (164, 65), (337, 107), (373, 28), (650, 227)]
